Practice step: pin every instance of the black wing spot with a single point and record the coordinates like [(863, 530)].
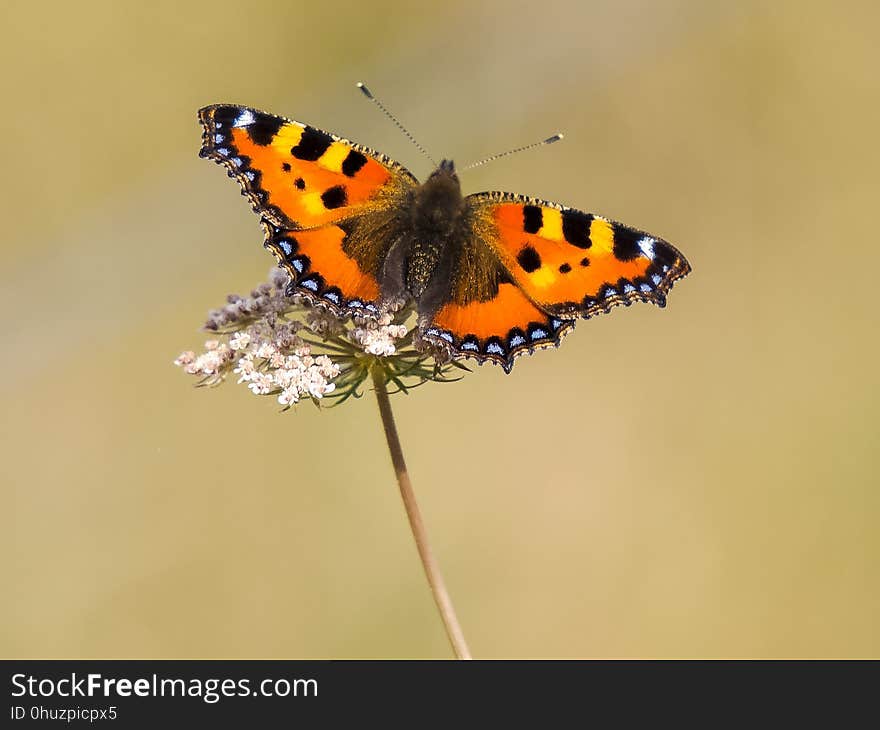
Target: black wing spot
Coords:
[(312, 144), (285, 166), (664, 255), (529, 259), (533, 218), (354, 162), (263, 129), (226, 115), (334, 197), (299, 184), (576, 228), (585, 261), (565, 268), (626, 243)]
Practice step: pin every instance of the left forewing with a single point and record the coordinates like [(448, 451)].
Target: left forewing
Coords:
[(296, 176)]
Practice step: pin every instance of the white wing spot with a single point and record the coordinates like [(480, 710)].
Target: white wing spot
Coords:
[(647, 246), (245, 118)]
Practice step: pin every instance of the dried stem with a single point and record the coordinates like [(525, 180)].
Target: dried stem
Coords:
[(432, 569)]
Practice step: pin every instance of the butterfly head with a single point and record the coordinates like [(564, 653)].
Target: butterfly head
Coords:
[(442, 188), (445, 170), (439, 202)]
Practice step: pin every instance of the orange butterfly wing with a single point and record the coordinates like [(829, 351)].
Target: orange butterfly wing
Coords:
[(323, 271), (312, 190), (552, 265), (497, 329), (572, 263), (486, 315)]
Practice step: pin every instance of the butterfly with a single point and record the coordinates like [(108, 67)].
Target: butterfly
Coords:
[(492, 275)]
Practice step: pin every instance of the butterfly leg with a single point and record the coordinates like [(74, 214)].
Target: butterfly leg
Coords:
[(393, 276)]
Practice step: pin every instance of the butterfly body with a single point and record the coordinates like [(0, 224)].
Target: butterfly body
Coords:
[(431, 228), (491, 275)]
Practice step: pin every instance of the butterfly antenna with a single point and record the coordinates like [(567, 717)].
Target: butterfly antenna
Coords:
[(549, 140), (388, 114)]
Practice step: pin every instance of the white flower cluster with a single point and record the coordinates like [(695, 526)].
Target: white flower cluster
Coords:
[(270, 358), (296, 376), (279, 345), (211, 363), (377, 337)]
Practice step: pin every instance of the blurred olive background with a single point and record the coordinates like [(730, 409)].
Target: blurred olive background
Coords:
[(697, 481)]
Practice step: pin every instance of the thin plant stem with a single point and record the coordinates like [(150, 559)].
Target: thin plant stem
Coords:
[(429, 562)]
